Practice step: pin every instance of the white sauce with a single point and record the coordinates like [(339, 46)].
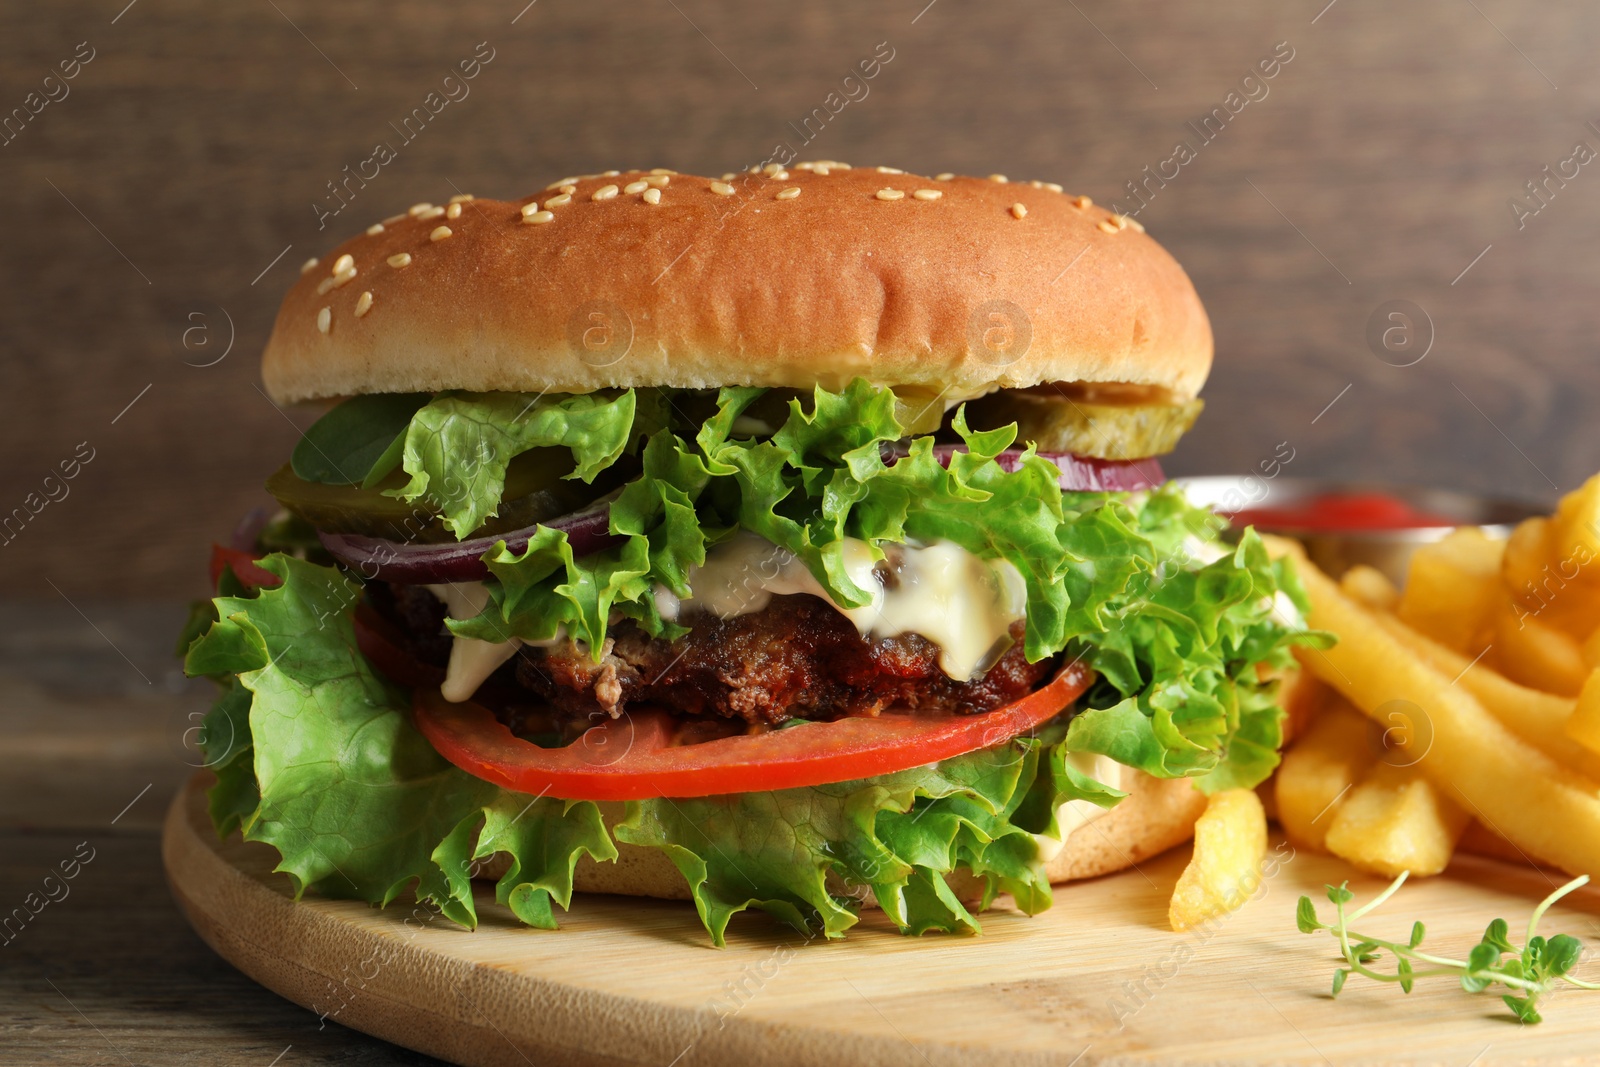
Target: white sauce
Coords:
[(960, 602), (1075, 814), (472, 660)]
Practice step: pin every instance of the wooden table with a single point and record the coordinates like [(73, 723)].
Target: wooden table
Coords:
[(92, 716)]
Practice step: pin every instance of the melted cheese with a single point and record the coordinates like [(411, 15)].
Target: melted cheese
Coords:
[(471, 660), (1076, 814), (960, 602)]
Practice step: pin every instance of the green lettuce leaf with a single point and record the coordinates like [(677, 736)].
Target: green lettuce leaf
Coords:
[(315, 755), (458, 445)]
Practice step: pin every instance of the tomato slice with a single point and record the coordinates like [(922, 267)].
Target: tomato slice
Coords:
[(243, 565), (634, 757)]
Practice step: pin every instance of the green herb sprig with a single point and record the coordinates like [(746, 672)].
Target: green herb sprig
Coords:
[(1528, 973)]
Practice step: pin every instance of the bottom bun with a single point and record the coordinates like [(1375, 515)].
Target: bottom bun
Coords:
[(1157, 814)]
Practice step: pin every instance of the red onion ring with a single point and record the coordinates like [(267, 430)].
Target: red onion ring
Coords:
[(589, 530), (1080, 474)]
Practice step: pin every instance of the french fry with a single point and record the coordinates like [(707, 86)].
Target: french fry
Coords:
[(1396, 820), (1319, 772), (1576, 532), (1584, 724), (1549, 578), (1548, 811), (1452, 587), (1537, 717), (1369, 587), (1535, 653), (1591, 650), (1230, 841)]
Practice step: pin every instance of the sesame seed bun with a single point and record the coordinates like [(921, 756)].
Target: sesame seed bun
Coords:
[(952, 287), (1157, 814)]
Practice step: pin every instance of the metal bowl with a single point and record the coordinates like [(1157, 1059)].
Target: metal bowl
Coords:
[(1336, 551)]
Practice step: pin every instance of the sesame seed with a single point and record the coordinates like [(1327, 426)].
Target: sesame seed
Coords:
[(399, 259), (722, 188), (1019, 210), (780, 175), (928, 194), (805, 166), (1082, 202), (998, 178), (529, 208), (789, 193), (375, 229), (652, 196), (946, 176), (836, 165), (567, 190), (605, 192), (440, 233), (1120, 221), (431, 214), (1036, 184), (306, 267), (891, 194), (610, 173), (1135, 223), (820, 169), (563, 181), (325, 286), (558, 201), (453, 211), (1108, 226), (462, 198), (890, 170), (343, 277), (343, 263), (659, 181), (363, 303), (539, 217), (661, 172), (392, 219), (635, 187), (771, 168), (416, 209), (325, 320), (728, 177), (1053, 187)]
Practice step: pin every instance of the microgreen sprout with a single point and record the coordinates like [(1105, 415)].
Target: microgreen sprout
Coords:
[(1527, 973)]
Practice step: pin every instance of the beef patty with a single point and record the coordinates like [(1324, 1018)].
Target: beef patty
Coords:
[(796, 658)]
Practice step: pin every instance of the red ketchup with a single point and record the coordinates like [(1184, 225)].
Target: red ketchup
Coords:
[(1332, 512)]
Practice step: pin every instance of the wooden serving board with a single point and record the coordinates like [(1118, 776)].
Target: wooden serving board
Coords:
[(1098, 979)]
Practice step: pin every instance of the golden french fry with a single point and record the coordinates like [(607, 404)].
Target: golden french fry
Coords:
[(1320, 770), (1370, 587), (1549, 580), (1535, 653), (1584, 725), (1548, 811), (1230, 841), (1396, 820), (1537, 717), (1591, 650), (1576, 532), (1452, 587)]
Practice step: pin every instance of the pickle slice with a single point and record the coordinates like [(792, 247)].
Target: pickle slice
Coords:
[(1096, 423), (535, 492)]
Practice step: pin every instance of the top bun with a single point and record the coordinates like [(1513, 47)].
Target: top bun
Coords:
[(815, 275)]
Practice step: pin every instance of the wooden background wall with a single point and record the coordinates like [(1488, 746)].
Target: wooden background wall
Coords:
[(155, 195)]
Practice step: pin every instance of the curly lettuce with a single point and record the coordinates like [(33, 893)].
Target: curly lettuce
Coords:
[(315, 753)]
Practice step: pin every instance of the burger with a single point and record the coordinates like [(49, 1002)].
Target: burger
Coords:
[(792, 541)]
